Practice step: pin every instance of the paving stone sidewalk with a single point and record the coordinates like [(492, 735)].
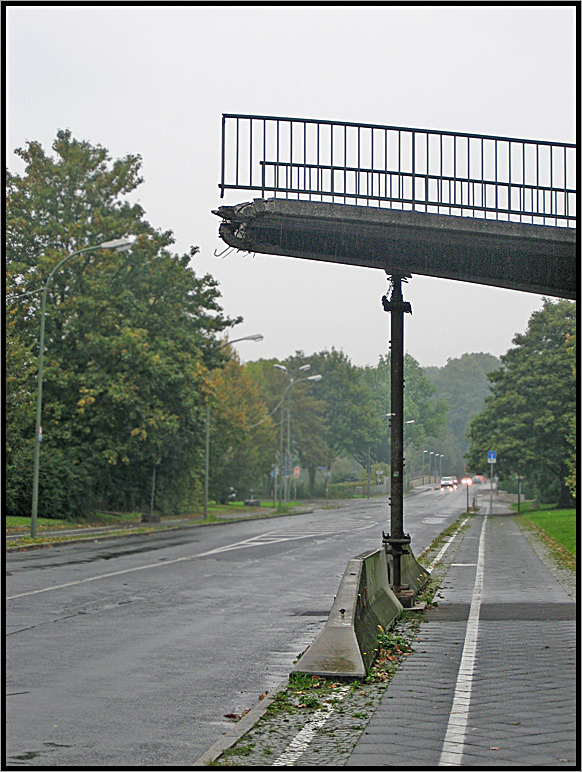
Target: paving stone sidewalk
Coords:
[(522, 709)]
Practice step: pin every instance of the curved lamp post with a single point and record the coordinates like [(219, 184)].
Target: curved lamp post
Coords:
[(257, 337), (119, 245)]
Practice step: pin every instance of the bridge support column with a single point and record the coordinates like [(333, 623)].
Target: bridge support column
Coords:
[(397, 541)]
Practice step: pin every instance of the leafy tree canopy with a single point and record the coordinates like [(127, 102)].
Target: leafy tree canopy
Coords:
[(528, 417), (130, 337)]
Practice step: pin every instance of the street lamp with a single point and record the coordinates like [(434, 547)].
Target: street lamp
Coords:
[(423, 452), (119, 245), (430, 466), (256, 337), (406, 423), (467, 482), (292, 382)]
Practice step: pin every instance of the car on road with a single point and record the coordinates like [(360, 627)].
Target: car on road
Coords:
[(448, 484)]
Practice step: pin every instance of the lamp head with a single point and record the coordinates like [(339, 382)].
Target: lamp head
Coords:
[(119, 245)]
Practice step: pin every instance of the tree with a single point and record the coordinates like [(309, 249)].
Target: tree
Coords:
[(421, 405), (348, 414), (308, 445), (130, 338), (528, 417), (464, 385), (242, 437)]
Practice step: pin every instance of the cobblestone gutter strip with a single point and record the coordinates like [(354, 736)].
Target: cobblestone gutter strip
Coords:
[(318, 726)]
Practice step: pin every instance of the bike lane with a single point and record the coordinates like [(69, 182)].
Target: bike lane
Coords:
[(493, 681)]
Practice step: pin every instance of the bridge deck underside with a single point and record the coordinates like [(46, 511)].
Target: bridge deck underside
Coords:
[(530, 258)]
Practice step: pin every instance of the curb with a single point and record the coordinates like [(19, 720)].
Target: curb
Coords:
[(239, 729), (140, 532)]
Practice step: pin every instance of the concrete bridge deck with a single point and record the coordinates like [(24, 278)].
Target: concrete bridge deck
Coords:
[(532, 258)]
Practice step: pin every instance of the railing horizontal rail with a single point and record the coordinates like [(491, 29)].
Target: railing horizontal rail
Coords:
[(443, 132), (476, 174)]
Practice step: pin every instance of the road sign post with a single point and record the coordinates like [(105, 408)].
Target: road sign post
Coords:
[(492, 459)]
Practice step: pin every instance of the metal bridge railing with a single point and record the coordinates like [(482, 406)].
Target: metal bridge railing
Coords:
[(469, 175)]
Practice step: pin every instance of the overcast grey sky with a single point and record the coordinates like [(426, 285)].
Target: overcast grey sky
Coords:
[(155, 81)]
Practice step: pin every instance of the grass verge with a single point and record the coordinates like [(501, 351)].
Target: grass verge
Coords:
[(556, 528)]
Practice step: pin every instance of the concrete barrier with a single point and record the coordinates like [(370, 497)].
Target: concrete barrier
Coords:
[(411, 572), (345, 648)]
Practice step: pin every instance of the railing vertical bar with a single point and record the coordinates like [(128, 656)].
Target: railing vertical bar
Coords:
[(496, 186), (522, 189), (371, 173), (538, 178), (345, 161), (413, 196), (400, 169), (470, 206), (237, 144), (565, 186), (223, 156), (386, 166), (277, 156), (264, 146), (426, 188), (552, 185), (440, 191), (290, 156), (509, 199), (304, 155), (358, 167), (319, 170), (455, 169), (332, 172)]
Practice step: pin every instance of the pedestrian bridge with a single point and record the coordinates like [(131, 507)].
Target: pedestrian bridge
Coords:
[(489, 210)]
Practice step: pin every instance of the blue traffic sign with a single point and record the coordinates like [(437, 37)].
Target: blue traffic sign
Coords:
[(491, 456)]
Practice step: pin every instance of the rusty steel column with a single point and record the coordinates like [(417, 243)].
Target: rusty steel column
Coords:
[(397, 541)]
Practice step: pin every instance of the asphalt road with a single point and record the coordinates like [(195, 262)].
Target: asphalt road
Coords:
[(130, 652)]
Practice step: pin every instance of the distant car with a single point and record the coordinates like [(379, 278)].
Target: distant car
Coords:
[(479, 478), (448, 484), (455, 483)]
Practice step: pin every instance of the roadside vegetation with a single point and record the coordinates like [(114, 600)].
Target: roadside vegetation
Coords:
[(137, 358), (529, 418), (555, 527)]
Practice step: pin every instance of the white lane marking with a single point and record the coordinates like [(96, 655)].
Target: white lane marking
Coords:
[(452, 751), (446, 546), (302, 739), (254, 541)]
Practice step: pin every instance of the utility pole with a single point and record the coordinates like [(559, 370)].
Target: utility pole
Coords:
[(397, 540)]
